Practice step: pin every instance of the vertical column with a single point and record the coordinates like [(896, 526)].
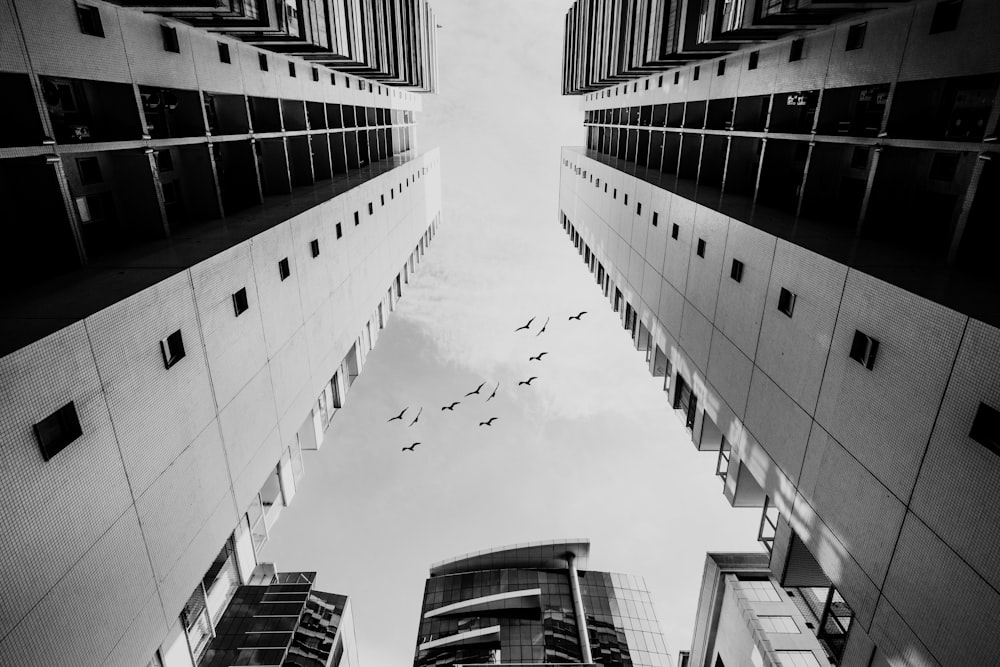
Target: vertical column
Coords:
[(581, 617)]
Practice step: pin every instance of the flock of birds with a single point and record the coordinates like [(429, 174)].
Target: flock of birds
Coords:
[(477, 390)]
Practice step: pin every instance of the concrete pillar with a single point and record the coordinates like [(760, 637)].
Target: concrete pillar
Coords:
[(581, 617)]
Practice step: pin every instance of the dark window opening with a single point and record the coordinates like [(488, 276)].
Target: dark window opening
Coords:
[(859, 159), (786, 302), (315, 74), (224, 53), (291, 69), (172, 348), (656, 218), (856, 36), (701, 247), (90, 170), (986, 428), (697, 73), (357, 219), (677, 78), (736, 272), (170, 42), (90, 20), (944, 166), (675, 231), (371, 209), (795, 53), (863, 349), (722, 68), (314, 247), (638, 208), (58, 430), (946, 15), (340, 231), (753, 60), (283, 269), (240, 302), (262, 61)]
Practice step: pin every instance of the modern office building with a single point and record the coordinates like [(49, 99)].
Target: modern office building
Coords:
[(279, 619), (393, 42), (204, 240), (746, 618), (799, 236), (532, 604)]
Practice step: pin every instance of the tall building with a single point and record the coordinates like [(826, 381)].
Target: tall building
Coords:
[(533, 604), (204, 241), (798, 235), (745, 618), (280, 619)]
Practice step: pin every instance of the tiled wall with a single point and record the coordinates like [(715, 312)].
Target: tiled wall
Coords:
[(871, 467), (105, 542)]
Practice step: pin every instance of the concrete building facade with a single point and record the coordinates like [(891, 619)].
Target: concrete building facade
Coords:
[(532, 604), (796, 236), (162, 372)]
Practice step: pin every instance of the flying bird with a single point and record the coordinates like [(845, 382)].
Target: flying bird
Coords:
[(539, 357), (526, 326), (542, 330), (577, 317), (452, 406), (527, 382), (476, 391), (415, 419), (399, 416), (410, 448), (494, 391), (488, 422)]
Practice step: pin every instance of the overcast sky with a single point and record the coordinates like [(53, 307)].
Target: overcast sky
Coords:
[(590, 450)]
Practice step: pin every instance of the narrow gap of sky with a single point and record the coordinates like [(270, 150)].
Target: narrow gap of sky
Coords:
[(591, 449)]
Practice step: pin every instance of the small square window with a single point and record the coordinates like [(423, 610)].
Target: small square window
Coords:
[(786, 302), (638, 208), (172, 348), (859, 159), (701, 247), (371, 209), (946, 15), (240, 302), (675, 231), (315, 74), (90, 170), (986, 428), (795, 53), (58, 430), (89, 18), (283, 269), (944, 166), (314, 247), (856, 36), (863, 349), (224, 53), (262, 61), (677, 78), (753, 60), (656, 218), (721, 71), (170, 42), (357, 219), (291, 69), (340, 231), (697, 73), (736, 272)]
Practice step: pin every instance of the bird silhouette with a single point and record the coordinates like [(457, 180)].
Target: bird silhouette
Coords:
[(488, 422), (494, 391), (410, 448), (539, 357), (452, 406), (476, 391), (399, 416), (415, 419), (542, 330), (527, 382), (526, 326), (577, 317)]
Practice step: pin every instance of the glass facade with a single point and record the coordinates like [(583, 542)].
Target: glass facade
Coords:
[(539, 627)]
